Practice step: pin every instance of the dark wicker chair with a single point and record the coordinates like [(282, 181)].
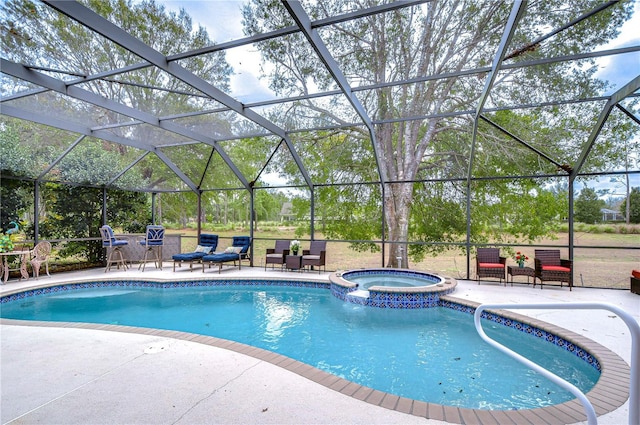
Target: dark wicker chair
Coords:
[(489, 263), (278, 254), (315, 256), (550, 267)]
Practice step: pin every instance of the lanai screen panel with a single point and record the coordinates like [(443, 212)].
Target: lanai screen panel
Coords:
[(617, 147), (218, 175), (28, 149), (150, 174), (447, 154), (221, 125), (93, 161), (551, 29), (310, 113), (337, 156), (243, 83), (191, 159), (153, 91), (261, 159), (149, 134), (10, 86), (414, 42), (55, 105), (58, 42)]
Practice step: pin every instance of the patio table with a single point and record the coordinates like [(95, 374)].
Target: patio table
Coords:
[(519, 271), (4, 264)]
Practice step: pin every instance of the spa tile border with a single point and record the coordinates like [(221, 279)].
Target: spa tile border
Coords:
[(395, 297), (609, 393)]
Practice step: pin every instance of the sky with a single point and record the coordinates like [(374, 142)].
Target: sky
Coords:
[(222, 19)]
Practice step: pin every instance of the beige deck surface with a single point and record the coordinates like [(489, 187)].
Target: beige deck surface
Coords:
[(55, 375)]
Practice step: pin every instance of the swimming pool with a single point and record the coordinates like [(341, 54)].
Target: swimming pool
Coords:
[(432, 354)]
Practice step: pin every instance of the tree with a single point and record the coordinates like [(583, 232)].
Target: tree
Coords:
[(435, 38), (588, 207), (631, 205)]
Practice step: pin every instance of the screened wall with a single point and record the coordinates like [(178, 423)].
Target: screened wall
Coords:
[(412, 132)]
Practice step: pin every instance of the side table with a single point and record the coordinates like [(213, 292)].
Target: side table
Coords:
[(294, 262), (520, 271)]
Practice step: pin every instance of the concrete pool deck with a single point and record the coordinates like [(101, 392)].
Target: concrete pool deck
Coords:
[(55, 374)]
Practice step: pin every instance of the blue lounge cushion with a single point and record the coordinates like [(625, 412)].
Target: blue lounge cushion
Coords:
[(188, 256), (221, 258), (205, 240)]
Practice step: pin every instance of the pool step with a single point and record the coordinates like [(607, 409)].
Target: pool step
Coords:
[(359, 293)]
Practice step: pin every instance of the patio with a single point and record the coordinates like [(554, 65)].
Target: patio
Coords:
[(91, 374)]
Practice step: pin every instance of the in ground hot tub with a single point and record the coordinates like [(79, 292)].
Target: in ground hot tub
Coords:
[(391, 288)]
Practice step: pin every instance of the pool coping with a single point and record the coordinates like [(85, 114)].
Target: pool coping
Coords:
[(609, 393)]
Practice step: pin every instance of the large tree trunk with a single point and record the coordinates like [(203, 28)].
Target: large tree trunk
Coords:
[(397, 208)]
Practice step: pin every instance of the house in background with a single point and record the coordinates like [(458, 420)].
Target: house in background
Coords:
[(286, 212), (611, 215)]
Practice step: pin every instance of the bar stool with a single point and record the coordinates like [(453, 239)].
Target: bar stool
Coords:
[(113, 246), (153, 243)]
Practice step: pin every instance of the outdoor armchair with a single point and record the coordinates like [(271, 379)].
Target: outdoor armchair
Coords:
[(40, 255), (278, 254), (315, 256), (550, 267), (489, 263)]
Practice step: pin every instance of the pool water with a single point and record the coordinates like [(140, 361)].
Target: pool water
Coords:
[(368, 280), (433, 355), (390, 278)]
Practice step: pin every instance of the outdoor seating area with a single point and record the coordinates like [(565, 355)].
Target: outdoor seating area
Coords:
[(206, 253)]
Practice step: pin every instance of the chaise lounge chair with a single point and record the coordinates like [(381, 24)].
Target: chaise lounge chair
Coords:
[(549, 266), (238, 251), (207, 244), (489, 263)]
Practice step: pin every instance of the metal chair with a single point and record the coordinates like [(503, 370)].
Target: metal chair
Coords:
[(40, 255), (113, 246), (153, 242)]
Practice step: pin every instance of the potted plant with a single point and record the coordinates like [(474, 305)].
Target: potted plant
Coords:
[(520, 259), (295, 246)]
